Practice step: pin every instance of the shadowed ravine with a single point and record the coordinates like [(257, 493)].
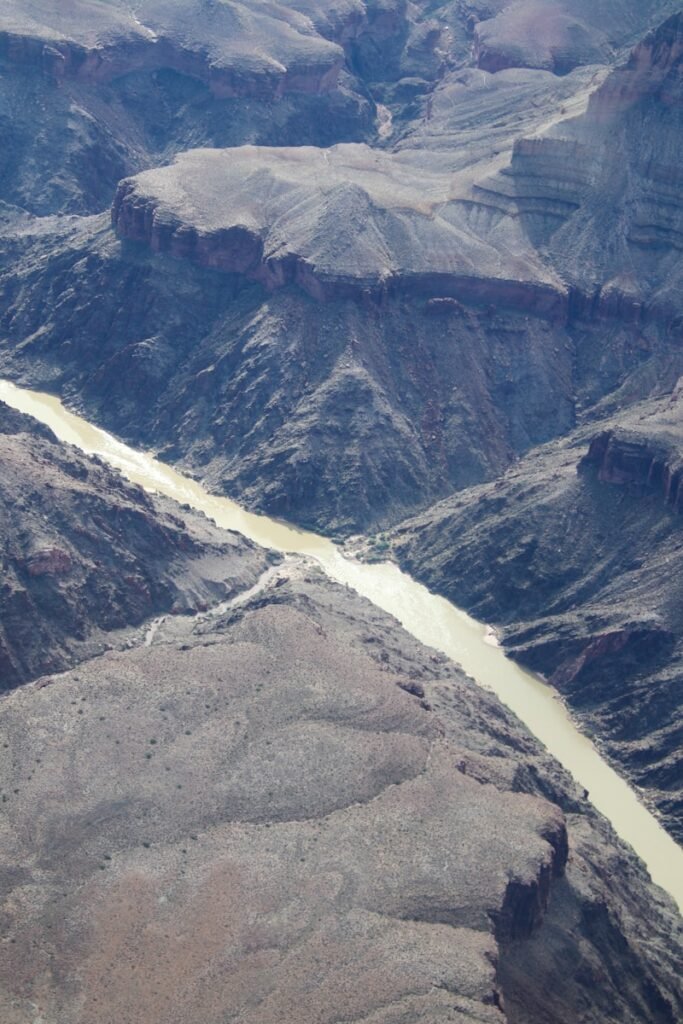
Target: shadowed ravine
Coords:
[(431, 619)]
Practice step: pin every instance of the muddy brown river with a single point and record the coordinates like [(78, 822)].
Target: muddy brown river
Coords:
[(431, 619)]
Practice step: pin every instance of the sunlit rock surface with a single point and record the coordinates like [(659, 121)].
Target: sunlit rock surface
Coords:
[(264, 798), (335, 222), (545, 34), (601, 192), (392, 258)]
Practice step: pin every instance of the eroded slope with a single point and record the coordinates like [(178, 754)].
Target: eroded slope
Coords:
[(576, 552), (86, 554), (343, 335), (263, 798), (90, 91)]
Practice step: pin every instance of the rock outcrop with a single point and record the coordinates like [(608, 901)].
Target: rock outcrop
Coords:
[(86, 555), (342, 222), (239, 50), (559, 37), (576, 553), (642, 464), (352, 332), (610, 215), (92, 92), (287, 809), (255, 800), (336, 414)]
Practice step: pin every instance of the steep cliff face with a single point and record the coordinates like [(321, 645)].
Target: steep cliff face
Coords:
[(350, 332), (338, 413), (343, 413), (339, 222), (609, 211), (86, 554), (638, 462), (91, 93), (242, 49), (201, 817), (409, 849), (576, 552)]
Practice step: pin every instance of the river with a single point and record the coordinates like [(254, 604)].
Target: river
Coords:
[(429, 618)]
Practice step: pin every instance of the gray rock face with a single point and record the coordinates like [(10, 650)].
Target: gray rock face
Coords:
[(573, 227), (291, 810), (91, 92), (86, 554), (576, 553), (239, 48), (338, 413), (580, 195), (544, 34), (265, 803), (344, 335)]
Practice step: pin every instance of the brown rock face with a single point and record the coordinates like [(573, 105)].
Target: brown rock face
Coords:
[(626, 460), (255, 801), (651, 71), (608, 651), (322, 220), (233, 249), (525, 906), (493, 200), (288, 811), (50, 561)]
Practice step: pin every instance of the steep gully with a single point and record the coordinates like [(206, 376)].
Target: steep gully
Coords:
[(431, 619)]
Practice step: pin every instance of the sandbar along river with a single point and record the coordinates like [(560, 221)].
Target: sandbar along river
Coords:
[(429, 618)]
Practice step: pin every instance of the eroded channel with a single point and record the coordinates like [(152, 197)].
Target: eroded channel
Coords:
[(429, 618)]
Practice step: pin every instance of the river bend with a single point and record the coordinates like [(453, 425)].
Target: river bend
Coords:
[(429, 618)]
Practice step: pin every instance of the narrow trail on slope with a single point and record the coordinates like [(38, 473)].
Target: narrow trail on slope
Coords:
[(429, 618)]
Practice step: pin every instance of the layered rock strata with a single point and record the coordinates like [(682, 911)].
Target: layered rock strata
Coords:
[(242, 49), (464, 305), (335, 414), (341, 222), (610, 217), (295, 790), (638, 463), (559, 37), (95, 91)]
